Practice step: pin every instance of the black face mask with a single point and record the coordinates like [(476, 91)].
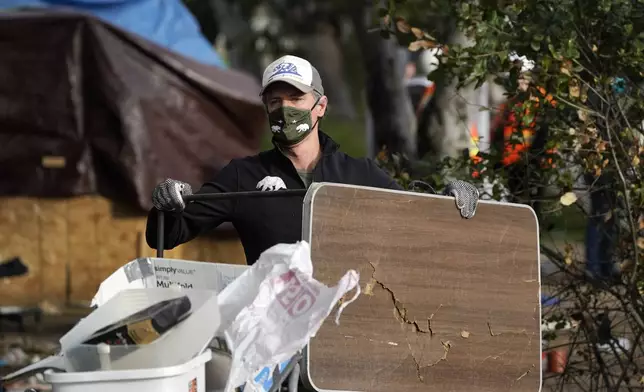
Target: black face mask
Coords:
[(290, 125)]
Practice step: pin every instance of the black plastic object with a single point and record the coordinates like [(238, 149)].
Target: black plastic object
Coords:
[(145, 326), (13, 267), (219, 196)]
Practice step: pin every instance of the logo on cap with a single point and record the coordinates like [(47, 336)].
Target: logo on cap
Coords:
[(285, 68)]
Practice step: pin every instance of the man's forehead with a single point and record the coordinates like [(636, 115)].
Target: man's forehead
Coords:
[(282, 89)]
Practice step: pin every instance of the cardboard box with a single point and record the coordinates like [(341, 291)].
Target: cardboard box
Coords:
[(149, 272)]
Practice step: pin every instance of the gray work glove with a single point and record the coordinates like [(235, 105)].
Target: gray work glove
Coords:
[(466, 196), (168, 195)]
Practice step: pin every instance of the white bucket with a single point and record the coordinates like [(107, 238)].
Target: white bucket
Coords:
[(189, 377), (183, 341)]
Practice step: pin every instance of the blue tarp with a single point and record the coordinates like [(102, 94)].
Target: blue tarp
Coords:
[(166, 22), (547, 300)]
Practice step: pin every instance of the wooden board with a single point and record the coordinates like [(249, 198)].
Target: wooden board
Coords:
[(71, 245), (448, 304)]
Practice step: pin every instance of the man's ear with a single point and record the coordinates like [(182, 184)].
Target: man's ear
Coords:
[(321, 106)]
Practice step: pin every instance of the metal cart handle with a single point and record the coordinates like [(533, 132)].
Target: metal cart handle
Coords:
[(219, 196)]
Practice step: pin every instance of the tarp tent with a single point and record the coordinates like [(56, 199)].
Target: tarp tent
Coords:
[(167, 23), (88, 108)]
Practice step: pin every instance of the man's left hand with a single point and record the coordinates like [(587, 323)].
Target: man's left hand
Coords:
[(466, 196)]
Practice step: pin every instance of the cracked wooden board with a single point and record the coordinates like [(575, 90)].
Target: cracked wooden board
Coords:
[(447, 304)]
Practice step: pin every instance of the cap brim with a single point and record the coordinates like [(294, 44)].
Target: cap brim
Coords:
[(300, 86)]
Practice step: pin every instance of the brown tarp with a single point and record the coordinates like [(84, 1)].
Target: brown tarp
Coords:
[(87, 108)]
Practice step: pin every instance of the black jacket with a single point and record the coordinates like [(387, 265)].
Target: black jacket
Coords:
[(263, 222)]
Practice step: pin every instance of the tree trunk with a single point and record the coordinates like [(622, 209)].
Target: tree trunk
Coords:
[(389, 103), (454, 114), (323, 50), (239, 35)]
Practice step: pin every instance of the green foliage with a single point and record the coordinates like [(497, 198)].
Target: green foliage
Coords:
[(589, 59)]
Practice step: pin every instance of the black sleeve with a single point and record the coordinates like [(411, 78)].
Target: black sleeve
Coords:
[(379, 179), (198, 217)]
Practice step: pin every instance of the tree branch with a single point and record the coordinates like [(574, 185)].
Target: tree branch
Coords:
[(609, 132)]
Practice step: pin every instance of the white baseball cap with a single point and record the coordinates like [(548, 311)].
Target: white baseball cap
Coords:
[(295, 71)]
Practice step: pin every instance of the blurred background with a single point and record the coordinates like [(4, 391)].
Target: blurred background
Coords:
[(100, 100)]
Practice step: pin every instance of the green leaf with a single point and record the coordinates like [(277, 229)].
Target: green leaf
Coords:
[(546, 62), (535, 45), (553, 51), (527, 119), (638, 44), (438, 75)]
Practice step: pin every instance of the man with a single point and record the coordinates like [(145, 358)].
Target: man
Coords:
[(421, 90), (295, 102)]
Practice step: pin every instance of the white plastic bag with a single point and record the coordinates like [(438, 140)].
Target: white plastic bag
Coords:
[(276, 307)]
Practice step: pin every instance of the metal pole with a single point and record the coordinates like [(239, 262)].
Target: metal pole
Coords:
[(484, 118), (235, 195), (160, 232), (219, 196)]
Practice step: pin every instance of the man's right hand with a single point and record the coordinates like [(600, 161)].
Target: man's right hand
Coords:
[(168, 195)]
